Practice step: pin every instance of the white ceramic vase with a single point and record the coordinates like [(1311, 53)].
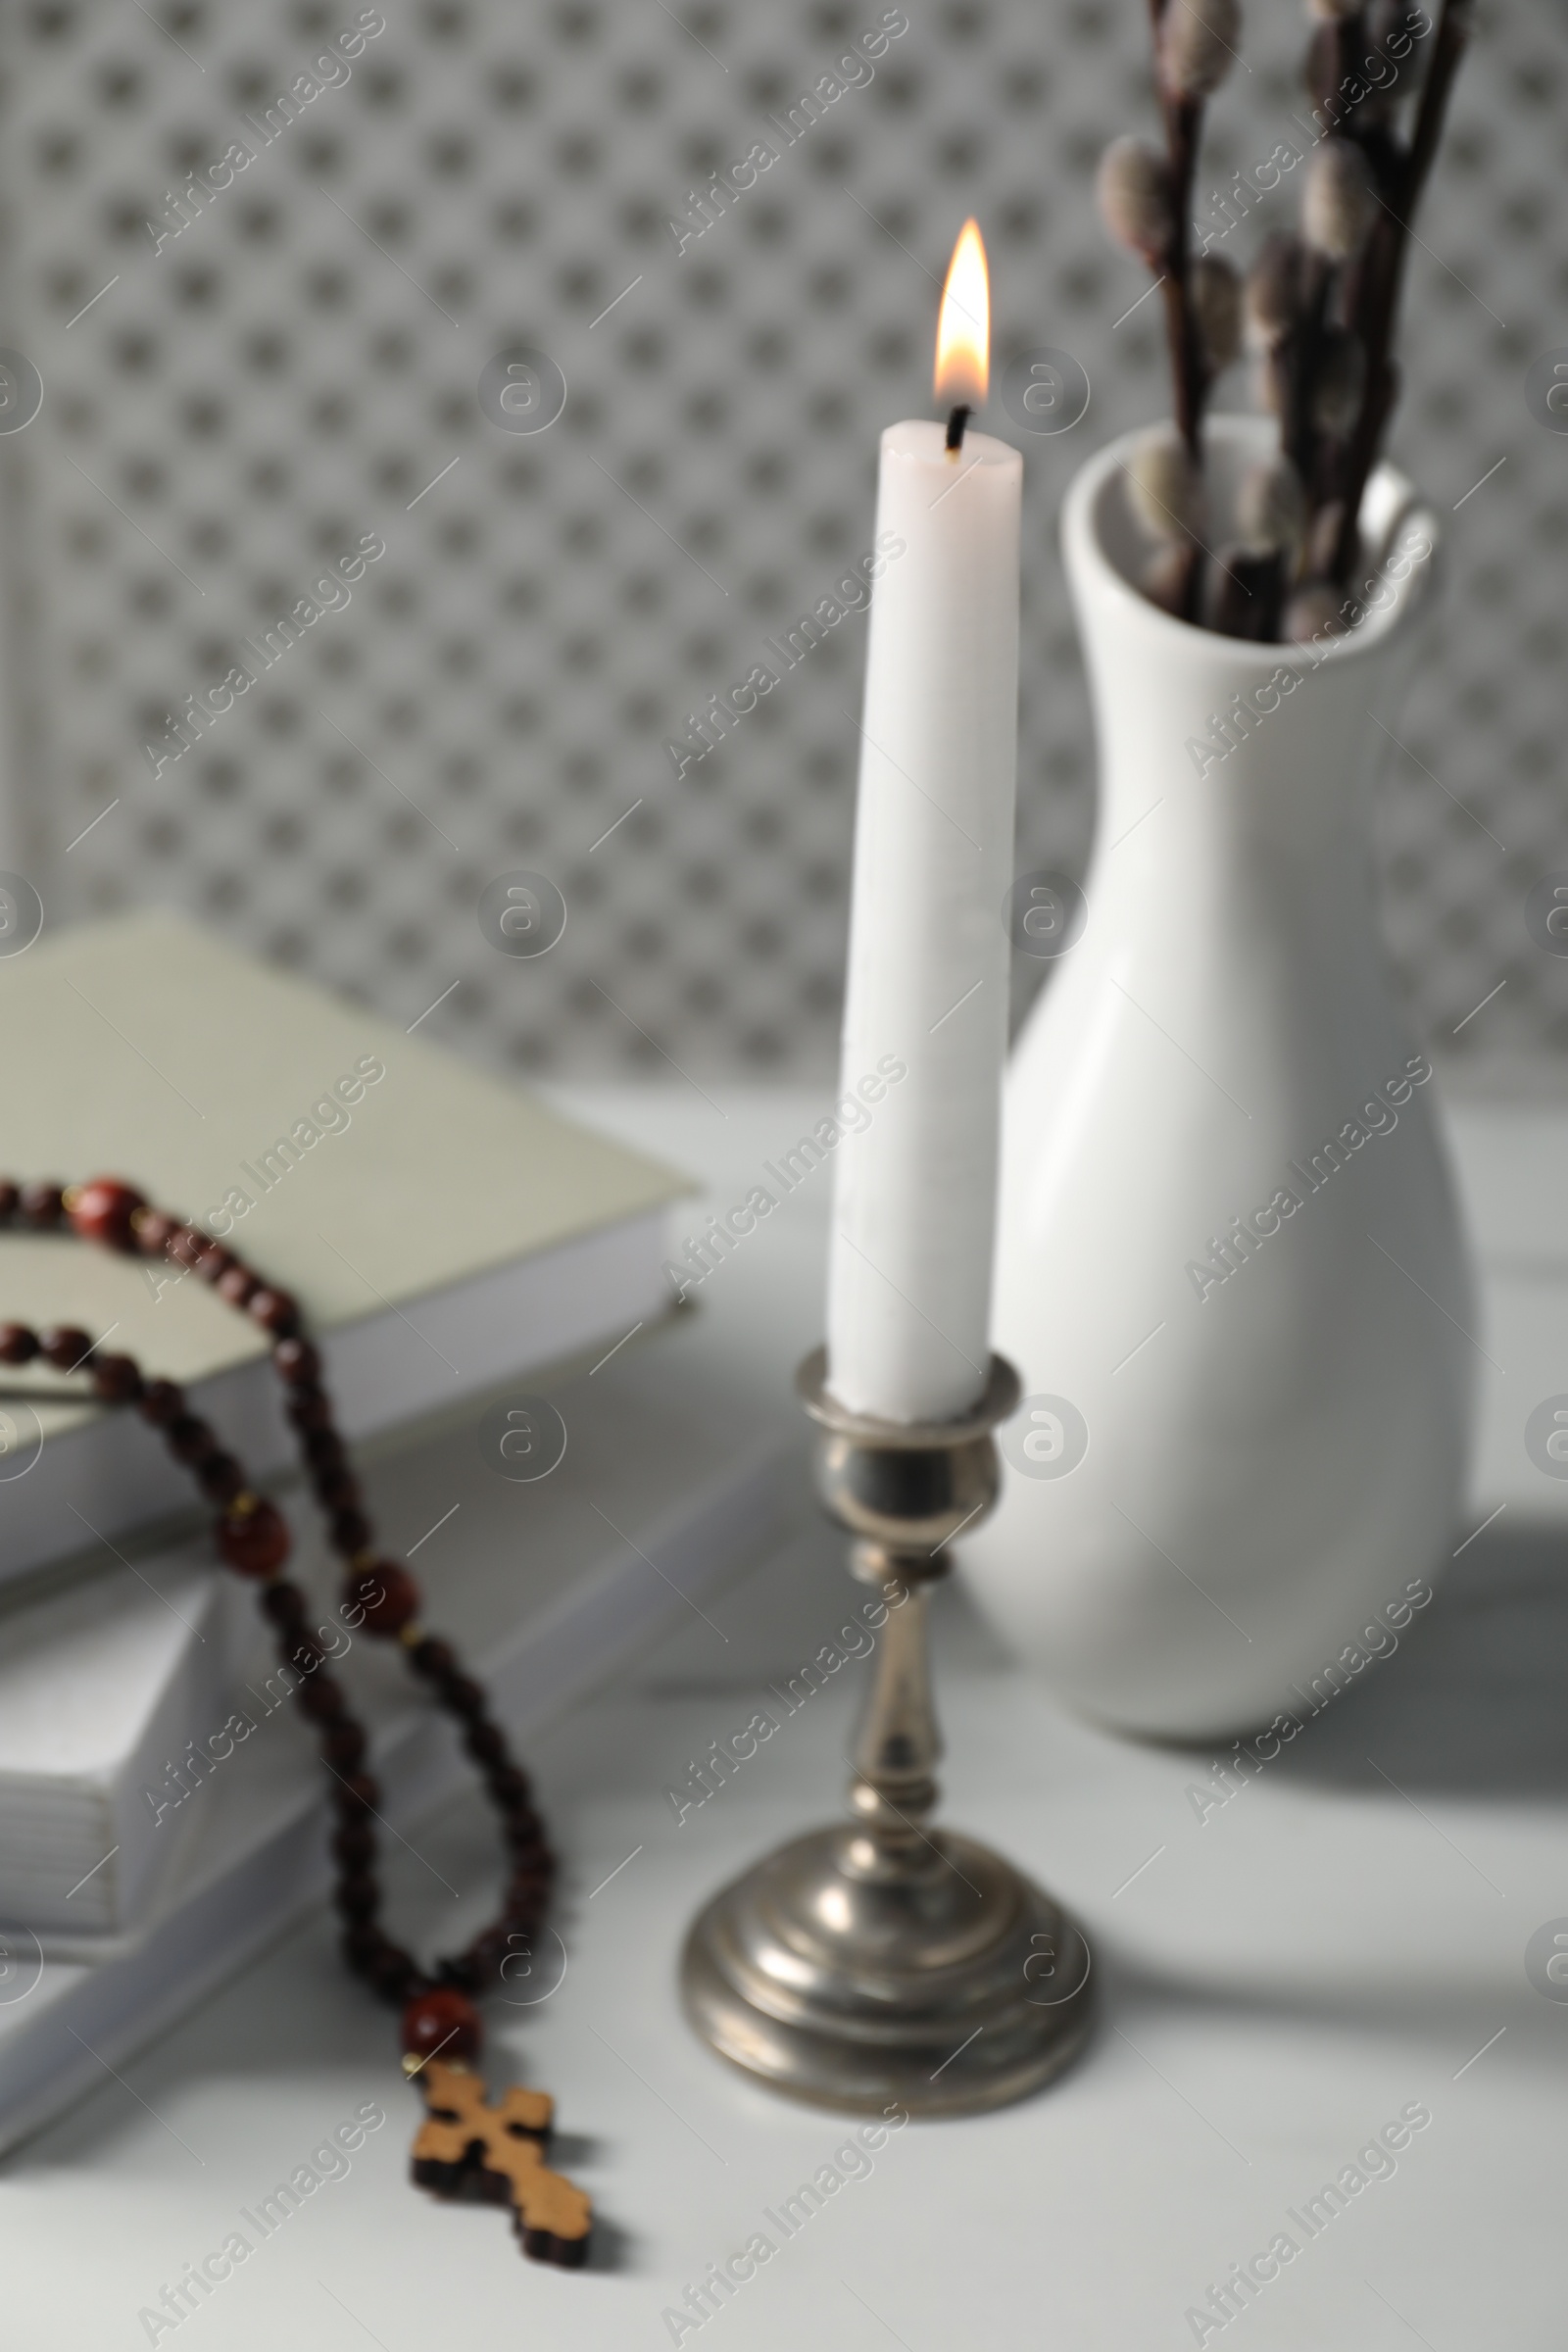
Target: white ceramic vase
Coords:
[(1230, 1267)]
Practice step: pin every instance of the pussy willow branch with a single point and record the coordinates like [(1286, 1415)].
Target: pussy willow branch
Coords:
[(1382, 276)]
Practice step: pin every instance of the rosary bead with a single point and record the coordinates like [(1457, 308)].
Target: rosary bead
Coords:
[(42, 1206), (508, 1786), (356, 1796), (253, 1543), (237, 1284), (189, 1440), (220, 1478), (441, 2020), (275, 1312), (213, 1261), (357, 1896), (284, 1604), (354, 1845), (18, 1344), (308, 1409), (395, 1976), (297, 1362), (154, 1231), (351, 1530), (186, 1243), (460, 1974), (10, 1198), (387, 1594), (162, 1401), (322, 1701), (338, 1490), (101, 1211), (363, 1946), (116, 1378), (433, 1658), (485, 1743), (344, 1747), (463, 1697), (302, 1652), (323, 1450), (65, 1346)]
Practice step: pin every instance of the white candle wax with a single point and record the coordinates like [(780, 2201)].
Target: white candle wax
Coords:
[(925, 1016)]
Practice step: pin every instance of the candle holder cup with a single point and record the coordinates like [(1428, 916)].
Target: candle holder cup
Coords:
[(882, 1961)]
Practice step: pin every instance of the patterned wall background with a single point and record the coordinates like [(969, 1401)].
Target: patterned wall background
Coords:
[(297, 368)]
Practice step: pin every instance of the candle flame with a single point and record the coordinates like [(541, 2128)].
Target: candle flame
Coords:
[(964, 326)]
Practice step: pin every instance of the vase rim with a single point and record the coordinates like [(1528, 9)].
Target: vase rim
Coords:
[(1085, 551)]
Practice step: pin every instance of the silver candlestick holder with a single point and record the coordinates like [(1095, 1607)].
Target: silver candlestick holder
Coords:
[(883, 1960)]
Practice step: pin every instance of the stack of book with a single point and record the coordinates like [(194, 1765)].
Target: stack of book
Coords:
[(454, 1244)]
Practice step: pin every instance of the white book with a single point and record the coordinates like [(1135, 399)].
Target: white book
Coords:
[(682, 1467), (443, 1232), (101, 1684)]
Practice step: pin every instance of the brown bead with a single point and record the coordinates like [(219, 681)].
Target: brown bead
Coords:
[(101, 1211), (189, 1438), (10, 1201), (256, 1543), (220, 1478), (395, 1976), (486, 1744), (162, 1401), (215, 1261), (322, 1701), (433, 1658), (307, 1410), (357, 1896), (463, 1697), (302, 1652), (237, 1284), (344, 1747), (363, 1946), (508, 1786), (116, 1378), (351, 1533), (275, 1312), (355, 1795), (18, 1344), (41, 1205), (186, 1243), (297, 1362), (339, 1489), (323, 1450), (441, 2020), (354, 1844), (66, 1346), (460, 1971), (284, 1604), (154, 1231), (387, 1594)]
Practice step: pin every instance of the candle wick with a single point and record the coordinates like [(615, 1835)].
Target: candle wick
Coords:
[(957, 422)]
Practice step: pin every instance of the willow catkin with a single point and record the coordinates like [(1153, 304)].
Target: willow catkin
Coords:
[(1163, 485), (1216, 291), (1197, 45), (1337, 202), (1134, 196), (1272, 300)]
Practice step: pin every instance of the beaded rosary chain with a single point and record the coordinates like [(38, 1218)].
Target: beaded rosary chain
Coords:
[(253, 1540)]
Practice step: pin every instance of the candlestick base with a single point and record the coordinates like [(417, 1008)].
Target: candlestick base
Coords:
[(880, 1962)]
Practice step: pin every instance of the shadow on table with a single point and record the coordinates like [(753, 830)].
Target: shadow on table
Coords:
[(1473, 1700)]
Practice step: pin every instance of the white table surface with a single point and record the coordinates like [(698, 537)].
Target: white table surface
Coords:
[(1345, 1937)]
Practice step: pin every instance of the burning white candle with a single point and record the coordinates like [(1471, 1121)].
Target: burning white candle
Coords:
[(925, 1016)]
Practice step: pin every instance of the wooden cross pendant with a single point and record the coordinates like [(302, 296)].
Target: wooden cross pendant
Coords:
[(495, 2155)]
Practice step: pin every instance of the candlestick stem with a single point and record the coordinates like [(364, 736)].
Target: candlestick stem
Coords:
[(882, 1961)]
